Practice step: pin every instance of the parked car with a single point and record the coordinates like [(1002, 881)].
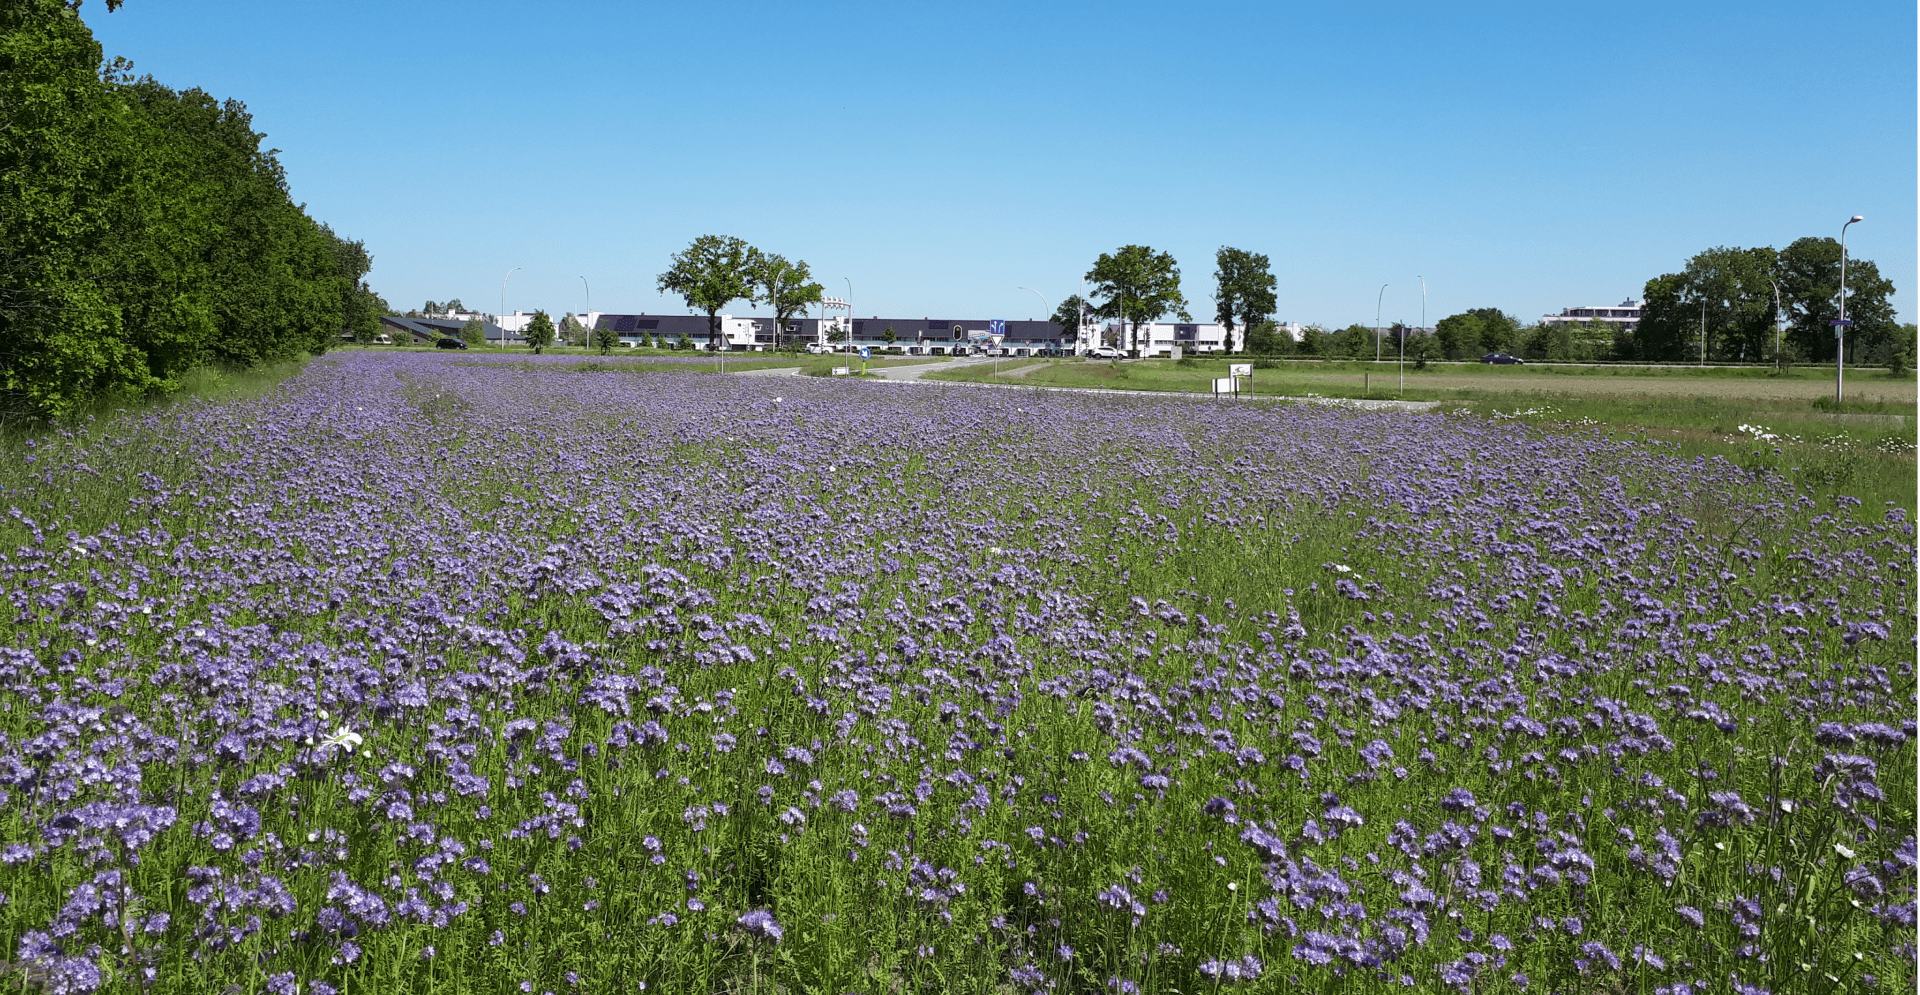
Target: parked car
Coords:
[(1502, 359), (449, 343), (1105, 352)]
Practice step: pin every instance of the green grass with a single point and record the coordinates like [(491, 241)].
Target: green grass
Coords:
[(1169, 519), (1861, 450)]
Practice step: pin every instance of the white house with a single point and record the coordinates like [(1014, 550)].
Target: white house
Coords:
[(1625, 314)]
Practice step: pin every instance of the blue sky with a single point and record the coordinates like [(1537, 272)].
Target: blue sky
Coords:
[(1522, 156)]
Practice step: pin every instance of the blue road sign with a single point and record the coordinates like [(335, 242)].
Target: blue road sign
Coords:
[(865, 352)]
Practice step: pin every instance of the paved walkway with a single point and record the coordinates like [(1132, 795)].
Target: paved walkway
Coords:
[(909, 374), (1360, 404), (913, 374)]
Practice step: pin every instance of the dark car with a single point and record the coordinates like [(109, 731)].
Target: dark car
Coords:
[(450, 344), (1502, 359)]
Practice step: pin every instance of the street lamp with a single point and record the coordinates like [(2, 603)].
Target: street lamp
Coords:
[(1403, 333), (1840, 327), (1043, 310), (503, 303), (1376, 321), (849, 323), (587, 340), (1776, 322)]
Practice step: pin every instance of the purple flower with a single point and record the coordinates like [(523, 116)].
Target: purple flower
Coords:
[(761, 923)]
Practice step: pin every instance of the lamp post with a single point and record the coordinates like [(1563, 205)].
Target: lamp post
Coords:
[(503, 303), (1776, 322), (587, 339), (1703, 329), (1403, 333), (849, 323), (1080, 316), (1376, 321), (1840, 327), (1043, 308)]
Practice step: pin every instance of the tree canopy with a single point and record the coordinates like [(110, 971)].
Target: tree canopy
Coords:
[(1245, 289), (786, 287), (539, 332), (1470, 334), (1731, 291), (144, 231), (1140, 286), (709, 274), (1070, 314)]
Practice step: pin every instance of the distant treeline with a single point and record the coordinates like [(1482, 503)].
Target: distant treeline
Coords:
[(144, 231), (1758, 305)]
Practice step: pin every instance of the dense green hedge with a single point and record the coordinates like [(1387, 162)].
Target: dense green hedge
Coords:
[(144, 231)]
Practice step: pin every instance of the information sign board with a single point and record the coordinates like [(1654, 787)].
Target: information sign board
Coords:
[(1239, 369)]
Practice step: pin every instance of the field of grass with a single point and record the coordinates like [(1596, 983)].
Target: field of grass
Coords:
[(711, 684), (1452, 381), (1711, 412)]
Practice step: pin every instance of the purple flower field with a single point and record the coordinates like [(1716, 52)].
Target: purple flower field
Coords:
[(439, 674)]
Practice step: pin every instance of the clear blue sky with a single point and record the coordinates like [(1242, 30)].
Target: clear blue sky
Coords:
[(1524, 156)]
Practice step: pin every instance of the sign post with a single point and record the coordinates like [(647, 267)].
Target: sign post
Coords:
[(1238, 370), (865, 351)]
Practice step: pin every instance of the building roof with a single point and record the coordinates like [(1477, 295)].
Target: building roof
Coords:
[(434, 328)]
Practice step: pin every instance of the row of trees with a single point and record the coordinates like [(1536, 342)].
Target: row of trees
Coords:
[(717, 270), (1136, 285), (1734, 291), (144, 231), (1756, 305)]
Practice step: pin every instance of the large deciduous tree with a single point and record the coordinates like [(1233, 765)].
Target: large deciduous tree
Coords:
[(1809, 275), (1140, 286), (709, 274), (1729, 291), (786, 287), (1724, 289), (144, 230), (1245, 290)]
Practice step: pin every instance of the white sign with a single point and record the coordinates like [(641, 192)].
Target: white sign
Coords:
[(1239, 369), (1225, 385), (841, 371)]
